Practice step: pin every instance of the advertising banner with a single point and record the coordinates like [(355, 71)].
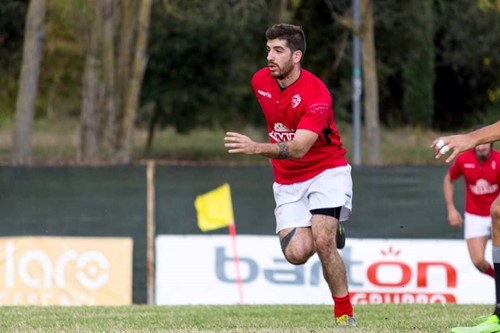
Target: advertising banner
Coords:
[(65, 271), (201, 270)]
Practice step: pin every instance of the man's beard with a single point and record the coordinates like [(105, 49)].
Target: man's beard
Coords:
[(283, 73), (482, 155)]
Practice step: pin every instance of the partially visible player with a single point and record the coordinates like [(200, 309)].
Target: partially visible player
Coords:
[(458, 144), (480, 169)]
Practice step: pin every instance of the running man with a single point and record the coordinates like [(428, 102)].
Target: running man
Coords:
[(312, 178)]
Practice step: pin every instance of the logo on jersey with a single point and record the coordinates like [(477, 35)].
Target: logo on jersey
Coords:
[(296, 99), (483, 187), (281, 133), (264, 93)]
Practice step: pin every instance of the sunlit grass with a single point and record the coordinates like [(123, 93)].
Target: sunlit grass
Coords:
[(242, 319)]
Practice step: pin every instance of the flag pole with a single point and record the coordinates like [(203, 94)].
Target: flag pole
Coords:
[(236, 258)]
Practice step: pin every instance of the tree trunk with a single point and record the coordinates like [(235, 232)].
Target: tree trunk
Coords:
[(370, 82), (90, 125), (92, 96), (139, 66), (370, 79), (109, 12), (28, 82), (128, 22), (90, 119)]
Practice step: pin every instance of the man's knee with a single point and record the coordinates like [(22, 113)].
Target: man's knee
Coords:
[(324, 243), (296, 246), (298, 256)]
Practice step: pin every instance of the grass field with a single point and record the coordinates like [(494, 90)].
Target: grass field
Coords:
[(237, 318)]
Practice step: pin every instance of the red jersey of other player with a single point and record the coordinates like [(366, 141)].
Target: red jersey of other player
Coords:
[(482, 180)]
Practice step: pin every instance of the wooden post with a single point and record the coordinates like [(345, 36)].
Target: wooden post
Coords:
[(150, 231)]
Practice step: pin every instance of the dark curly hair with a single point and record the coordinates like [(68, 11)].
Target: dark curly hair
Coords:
[(292, 34)]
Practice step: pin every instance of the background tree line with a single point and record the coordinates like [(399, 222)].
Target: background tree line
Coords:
[(117, 65)]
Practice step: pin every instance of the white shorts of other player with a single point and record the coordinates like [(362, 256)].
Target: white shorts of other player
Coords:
[(331, 188), (476, 226)]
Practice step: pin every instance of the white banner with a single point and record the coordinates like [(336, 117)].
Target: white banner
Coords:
[(200, 270)]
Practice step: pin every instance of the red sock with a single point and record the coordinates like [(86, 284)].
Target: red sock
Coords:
[(342, 306), (490, 271)]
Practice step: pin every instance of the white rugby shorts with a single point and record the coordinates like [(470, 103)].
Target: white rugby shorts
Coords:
[(331, 188), (476, 226)]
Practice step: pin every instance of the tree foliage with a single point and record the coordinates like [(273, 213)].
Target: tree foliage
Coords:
[(418, 70), (199, 69), (468, 62), (202, 54), (13, 16)]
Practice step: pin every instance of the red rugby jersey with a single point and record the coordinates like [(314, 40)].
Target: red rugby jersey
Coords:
[(482, 181), (305, 104)]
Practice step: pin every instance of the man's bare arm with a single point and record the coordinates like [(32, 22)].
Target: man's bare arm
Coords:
[(487, 134), (462, 142), (241, 144)]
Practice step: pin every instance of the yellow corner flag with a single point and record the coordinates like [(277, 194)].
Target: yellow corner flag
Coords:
[(215, 209)]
